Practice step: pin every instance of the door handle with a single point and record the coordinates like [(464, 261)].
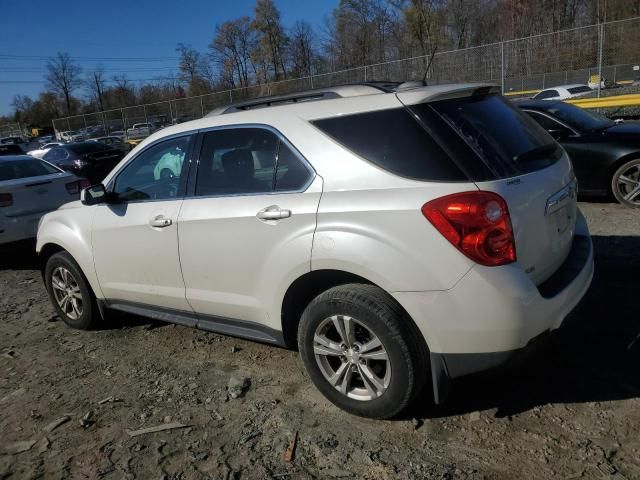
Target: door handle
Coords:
[(160, 221), (273, 213)]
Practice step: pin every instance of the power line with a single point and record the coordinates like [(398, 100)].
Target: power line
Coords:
[(124, 59)]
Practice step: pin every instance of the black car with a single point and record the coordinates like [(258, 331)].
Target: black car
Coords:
[(605, 154), (90, 160), (10, 149)]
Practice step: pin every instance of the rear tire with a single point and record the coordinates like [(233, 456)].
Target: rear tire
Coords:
[(625, 184), (70, 292), (362, 351)]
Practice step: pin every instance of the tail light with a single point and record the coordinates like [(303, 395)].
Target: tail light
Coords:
[(74, 187), (477, 224), (6, 199)]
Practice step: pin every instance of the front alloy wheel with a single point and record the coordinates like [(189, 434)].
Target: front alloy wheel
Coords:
[(70, 292), (67, 293)]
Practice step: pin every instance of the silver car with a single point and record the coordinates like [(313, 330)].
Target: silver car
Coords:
[(29, 188)]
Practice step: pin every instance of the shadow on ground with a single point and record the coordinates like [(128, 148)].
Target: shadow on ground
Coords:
[(595, 357), (19, 256)]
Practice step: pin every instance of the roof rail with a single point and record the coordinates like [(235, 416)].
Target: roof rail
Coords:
[(338, 91)]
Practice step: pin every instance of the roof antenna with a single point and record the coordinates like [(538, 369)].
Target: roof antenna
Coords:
[(426, 72)]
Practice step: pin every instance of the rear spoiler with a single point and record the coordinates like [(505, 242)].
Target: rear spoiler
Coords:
[(444, 92)]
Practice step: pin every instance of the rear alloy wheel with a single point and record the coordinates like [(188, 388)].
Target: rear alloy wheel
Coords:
[(69, 292), (361, 350), (626, 184)]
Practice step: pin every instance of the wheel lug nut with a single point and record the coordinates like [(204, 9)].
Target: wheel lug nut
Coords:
[(343, 346), (362, 361)]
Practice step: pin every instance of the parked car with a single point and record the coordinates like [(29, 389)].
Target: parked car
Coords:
[(39, 152), (113, 142), (91, 160), (120, 134), (563, 92), (594, 80), (605, 154), (43, 140), (395, 236), (29, 188), (19, 141), (139, 130), (10, 149), (72, 136)]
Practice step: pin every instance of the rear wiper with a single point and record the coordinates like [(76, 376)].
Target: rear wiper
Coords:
[(539, 152)]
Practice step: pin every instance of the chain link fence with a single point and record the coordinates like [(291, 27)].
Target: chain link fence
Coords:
[(605, 51), (12, 130)]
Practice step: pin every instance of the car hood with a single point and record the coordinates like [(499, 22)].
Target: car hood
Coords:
[(70, 205)]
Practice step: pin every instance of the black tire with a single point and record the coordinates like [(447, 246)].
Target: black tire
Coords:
[(89, 316), (378, 312), (617, 187)]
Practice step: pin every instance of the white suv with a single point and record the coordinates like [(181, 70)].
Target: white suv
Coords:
[(394, 237)]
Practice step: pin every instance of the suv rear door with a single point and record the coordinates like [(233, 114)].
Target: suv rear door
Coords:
[(246, 229)]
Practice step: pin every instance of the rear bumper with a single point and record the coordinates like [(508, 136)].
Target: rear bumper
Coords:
[(495, 314)]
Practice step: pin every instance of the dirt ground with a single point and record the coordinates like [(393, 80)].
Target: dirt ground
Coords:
[(572, 411)]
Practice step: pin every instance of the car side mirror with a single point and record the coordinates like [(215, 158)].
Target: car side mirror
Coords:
[(93, 195), (559, 133)]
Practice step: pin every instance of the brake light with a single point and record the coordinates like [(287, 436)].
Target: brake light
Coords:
[(74, 187), (6, 199), (477, 224)]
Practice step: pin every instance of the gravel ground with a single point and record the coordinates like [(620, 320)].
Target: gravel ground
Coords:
[(572, 411)]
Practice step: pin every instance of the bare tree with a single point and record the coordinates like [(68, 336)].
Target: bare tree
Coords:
[(96, 84), (272, 38), (63, 77), (192, 66), (232, 47), (302, 49)]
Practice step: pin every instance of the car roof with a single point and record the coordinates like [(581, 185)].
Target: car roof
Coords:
[(566, 87), (355, 100)]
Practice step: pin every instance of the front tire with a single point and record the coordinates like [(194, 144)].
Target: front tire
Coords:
[(70, 292), (362, 351), (626, 184)]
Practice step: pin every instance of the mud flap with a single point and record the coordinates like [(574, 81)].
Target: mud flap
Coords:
[(440, 377)]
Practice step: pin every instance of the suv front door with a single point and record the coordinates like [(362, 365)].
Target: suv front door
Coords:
[(246, 229), (135, 235)]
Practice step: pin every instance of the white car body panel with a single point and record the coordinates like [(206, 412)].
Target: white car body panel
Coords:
[(267, 256), (123, 237)]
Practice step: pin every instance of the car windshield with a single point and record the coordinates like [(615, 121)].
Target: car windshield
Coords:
[(579, 118), (15, 169), (89, 147)]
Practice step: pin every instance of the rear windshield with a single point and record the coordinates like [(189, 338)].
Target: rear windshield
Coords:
[(15, 169), (475, 138), (581, 89), (10, 149), (89, 147)]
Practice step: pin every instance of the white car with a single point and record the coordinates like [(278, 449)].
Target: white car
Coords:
[(29, 188), (396, 236), (40, 152), (563, 92)]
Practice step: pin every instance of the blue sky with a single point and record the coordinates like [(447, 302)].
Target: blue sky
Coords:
[(117, 29)]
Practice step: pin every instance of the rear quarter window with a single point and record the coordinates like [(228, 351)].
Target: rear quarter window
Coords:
[(394, 141)]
